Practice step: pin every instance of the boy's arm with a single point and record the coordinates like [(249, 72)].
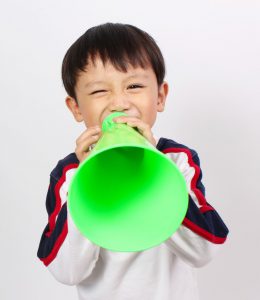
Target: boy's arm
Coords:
[(202, 231), (69, 256)]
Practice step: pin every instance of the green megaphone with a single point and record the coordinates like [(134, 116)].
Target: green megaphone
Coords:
[(126, 195)]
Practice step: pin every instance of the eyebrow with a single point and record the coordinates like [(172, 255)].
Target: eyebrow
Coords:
[(141, 76)]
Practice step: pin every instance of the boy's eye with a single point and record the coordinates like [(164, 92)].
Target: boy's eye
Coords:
[(98, 91), (135, 86)]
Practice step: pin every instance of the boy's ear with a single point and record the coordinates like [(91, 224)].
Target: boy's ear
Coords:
[(162, 95), (74, 108)]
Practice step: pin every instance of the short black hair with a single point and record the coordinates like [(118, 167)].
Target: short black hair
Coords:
[(121, 44)]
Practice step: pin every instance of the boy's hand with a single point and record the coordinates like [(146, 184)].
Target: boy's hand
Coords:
[(85, 140), (142, 127)]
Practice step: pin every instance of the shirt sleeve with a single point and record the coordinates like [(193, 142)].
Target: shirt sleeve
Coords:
[(68, 255), (202, 231)]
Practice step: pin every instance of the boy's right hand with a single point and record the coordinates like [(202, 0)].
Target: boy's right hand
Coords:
[(89, 137)]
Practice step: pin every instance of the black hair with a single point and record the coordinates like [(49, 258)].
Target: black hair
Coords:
[(121, 44)]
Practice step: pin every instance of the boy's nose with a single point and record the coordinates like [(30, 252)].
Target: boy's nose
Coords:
[(119, 103)]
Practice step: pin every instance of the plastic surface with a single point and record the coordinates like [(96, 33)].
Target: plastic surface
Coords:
[(127, 195)]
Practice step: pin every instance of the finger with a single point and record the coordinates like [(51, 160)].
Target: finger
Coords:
[(134, 122), (83, 148), (87, 133), (84, 144), (142, 127), (127, 120)]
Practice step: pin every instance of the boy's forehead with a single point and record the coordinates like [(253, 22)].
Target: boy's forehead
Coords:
[(96, 58), (97, 64), (97, 69)]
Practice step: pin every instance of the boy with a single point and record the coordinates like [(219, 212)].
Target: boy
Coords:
[(116, 67)]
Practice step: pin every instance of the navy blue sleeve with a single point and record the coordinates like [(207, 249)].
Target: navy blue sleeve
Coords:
[(201, 217), (56, 229)]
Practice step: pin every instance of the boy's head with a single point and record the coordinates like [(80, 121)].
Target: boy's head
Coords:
[(114, 67)]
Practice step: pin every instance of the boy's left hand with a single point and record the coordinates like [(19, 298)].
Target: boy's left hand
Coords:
[(142, 127)]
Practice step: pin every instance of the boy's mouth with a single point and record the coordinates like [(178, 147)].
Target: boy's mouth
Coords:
[(129, 115)]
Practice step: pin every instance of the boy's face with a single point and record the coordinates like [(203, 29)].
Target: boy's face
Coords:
[(102, 89)]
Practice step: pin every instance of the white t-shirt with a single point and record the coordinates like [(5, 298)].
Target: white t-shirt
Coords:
[(164, 272)]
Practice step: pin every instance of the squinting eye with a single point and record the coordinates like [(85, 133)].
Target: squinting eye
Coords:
[(99, 91), (135, 86)]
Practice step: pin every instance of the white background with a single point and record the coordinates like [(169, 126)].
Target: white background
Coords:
[(212, 53)]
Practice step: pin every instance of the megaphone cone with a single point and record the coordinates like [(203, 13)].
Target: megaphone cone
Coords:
[(127, 195)]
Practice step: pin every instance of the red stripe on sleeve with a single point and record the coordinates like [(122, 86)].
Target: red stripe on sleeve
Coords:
[(202, 232), (197, 192), (47, 260), (202, 200), (53, 215)]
